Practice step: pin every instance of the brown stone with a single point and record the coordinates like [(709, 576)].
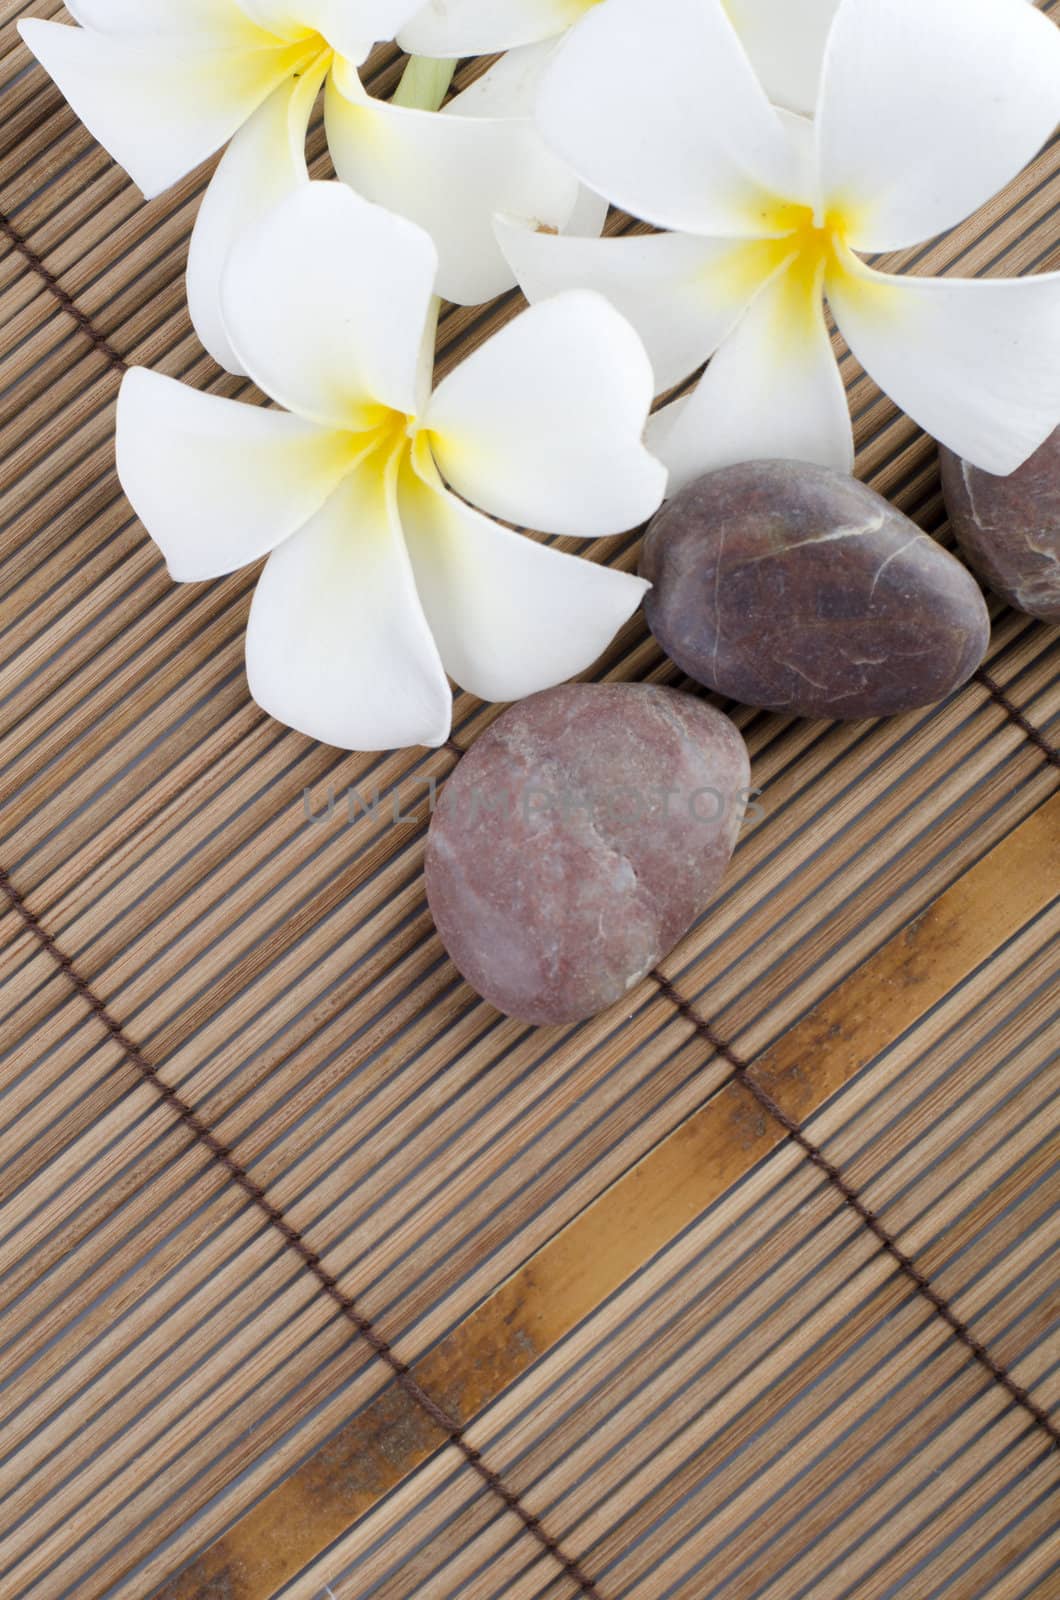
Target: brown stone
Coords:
[(579, 840), (787, 586), (1009, 528)]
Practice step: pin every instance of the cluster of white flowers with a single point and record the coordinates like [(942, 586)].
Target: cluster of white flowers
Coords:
[(767, 142)]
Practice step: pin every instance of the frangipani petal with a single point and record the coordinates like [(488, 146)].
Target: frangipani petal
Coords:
[(218, 484), (786, 41), (510, 616), (682, 294), (449, 173), (589, 217), (484, 27), (159, 104), (223, 20), (351, 27), (543, 425), (928, 108), (976, 362), (326, 304), (802, 143), (264, 162), (510, 89), (772, 392), (658, 108), (337, 643)]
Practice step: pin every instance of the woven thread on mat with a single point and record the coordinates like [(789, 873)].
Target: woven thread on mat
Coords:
[(1013, 712), (852, 1199), (449, 1426), (66, 300)]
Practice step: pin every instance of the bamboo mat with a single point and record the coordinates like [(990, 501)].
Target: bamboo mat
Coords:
[(318, 1277)]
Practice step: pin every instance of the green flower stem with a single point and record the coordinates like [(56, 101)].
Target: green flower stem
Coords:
[(424, 84)]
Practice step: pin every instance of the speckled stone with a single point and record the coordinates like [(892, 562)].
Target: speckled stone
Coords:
[(579, 840), (787, 586), (1009, 528)]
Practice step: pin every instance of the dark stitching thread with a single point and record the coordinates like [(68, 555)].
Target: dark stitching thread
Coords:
[(1035, 735), (446, 1424), (66, 300), (812, 1152)]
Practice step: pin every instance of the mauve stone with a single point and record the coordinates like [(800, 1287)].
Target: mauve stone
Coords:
[(579, 840), (1009, 528), (787, 586)]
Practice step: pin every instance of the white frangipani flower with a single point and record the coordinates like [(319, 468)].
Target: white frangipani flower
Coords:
[(380, 579), (785, 39), (163, 84), (926, 109)]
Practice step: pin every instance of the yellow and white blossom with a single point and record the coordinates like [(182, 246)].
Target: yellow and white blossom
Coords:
[(163, 84), (380, 579), (926, 108)]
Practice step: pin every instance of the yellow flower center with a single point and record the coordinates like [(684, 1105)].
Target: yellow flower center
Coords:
[(300, 44), (812, 253), (800, 257), (391, 444), (808, 250), (316, 51)]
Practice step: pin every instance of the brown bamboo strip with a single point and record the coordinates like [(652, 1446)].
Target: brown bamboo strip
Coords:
[(631, 1229), (52, 1506), (844, 1469), (667, 1359), (1030, 1576), (750, 1077), (696, 955), (934, 1223), (447, 1424), (654, 1359), (976, 1571), (500, 1570), (748, 1397), (913, 1055)]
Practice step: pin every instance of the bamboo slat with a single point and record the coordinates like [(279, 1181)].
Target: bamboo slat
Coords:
[(665, 1326)]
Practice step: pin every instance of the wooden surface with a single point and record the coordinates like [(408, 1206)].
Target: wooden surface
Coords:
[(664, 1322)]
